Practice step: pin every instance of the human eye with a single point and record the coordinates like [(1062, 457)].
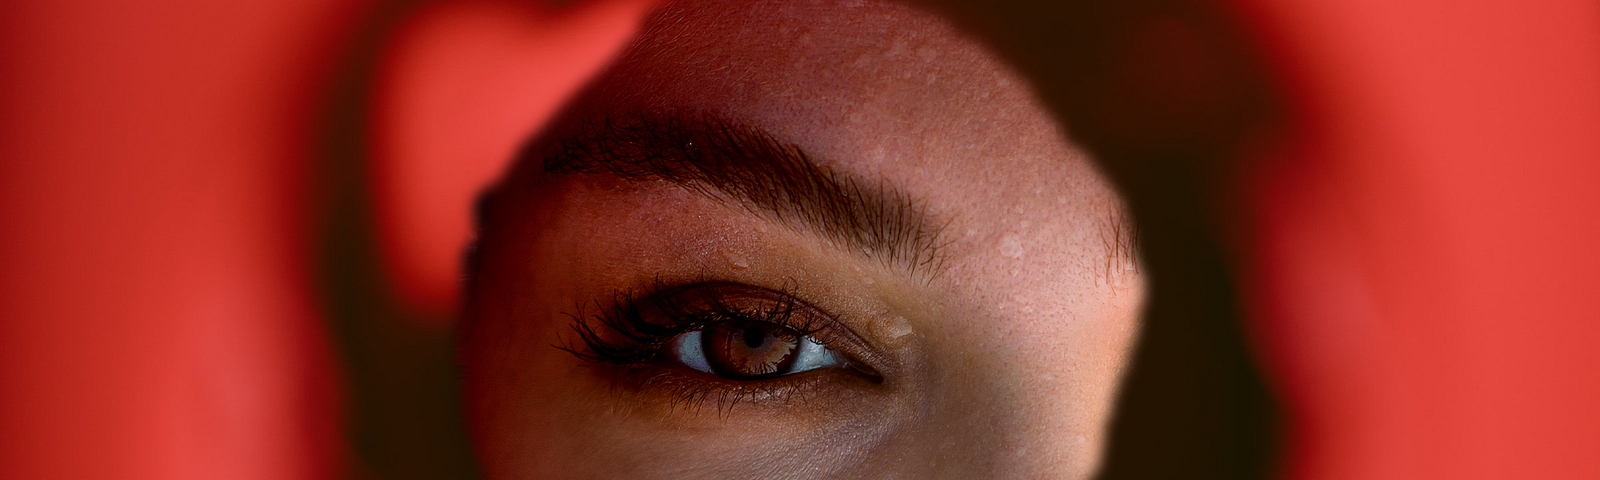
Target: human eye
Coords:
[(750, 350), (723, 339)]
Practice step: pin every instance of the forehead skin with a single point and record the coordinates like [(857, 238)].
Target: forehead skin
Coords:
[(1036, 311), (882, 90)]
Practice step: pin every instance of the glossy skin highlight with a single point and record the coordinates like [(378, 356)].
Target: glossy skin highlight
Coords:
[(1001, 360)]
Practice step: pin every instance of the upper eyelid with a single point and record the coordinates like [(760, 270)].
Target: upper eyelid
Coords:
[(783, 310), (829, 329), (825, 324)]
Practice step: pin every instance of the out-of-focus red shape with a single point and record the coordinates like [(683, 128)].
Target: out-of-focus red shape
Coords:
[(156, 317), (156, 312), (463, 85), (1426, 273)]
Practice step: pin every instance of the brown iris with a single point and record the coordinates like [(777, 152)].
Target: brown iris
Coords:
[(750, 350)]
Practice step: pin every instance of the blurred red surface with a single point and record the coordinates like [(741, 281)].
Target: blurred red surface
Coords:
[(1421, 261), (462, 86), (155, 312), (1424, 268)]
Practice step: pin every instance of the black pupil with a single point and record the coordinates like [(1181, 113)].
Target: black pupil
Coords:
[(754, 337)]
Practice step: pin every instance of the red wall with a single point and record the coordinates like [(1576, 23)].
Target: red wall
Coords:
[(156, 319), (1421, 258), (1425, 270)]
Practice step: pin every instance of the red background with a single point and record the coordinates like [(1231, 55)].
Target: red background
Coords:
[(1421, 265)]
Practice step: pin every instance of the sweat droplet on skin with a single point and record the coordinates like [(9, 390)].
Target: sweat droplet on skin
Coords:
[(1010, 245), (895, 330), (735, 259)]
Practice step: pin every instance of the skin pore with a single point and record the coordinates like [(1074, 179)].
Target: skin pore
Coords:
[(861, 174)]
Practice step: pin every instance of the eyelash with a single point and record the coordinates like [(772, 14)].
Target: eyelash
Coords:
[(641, 340), (623, 334)]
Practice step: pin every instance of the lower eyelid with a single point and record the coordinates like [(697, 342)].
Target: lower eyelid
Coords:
[(683, 391)]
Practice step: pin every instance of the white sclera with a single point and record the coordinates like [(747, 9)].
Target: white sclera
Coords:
[(687, 349), (813, 355)]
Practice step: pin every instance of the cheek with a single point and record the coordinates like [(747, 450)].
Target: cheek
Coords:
[(1033, 343)]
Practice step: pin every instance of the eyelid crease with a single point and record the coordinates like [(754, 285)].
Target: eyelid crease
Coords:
[(726, 162)]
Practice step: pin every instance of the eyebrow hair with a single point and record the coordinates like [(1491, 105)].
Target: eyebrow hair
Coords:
[(748, 166)]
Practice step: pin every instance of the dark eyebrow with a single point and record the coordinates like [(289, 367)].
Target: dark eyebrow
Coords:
[(748, 166)]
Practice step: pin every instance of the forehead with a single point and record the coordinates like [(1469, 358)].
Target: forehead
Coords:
[(887, 90), (804, 58), (820, 66)]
